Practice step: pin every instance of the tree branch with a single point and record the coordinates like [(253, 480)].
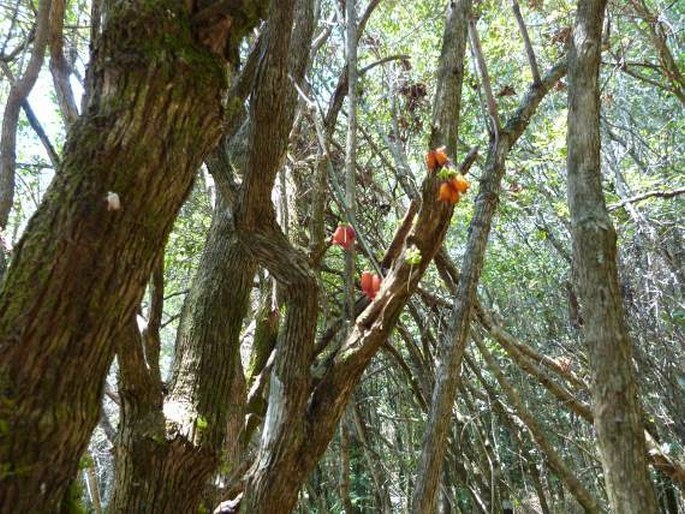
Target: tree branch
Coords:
[(18, 93), (526, 41), (485, 78), (644, 196), (59, 67), (555, 461)]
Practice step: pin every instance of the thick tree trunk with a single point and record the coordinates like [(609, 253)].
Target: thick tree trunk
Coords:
[(79, 271), (199, 408), (165, 459), (142, 451), (614, 390)]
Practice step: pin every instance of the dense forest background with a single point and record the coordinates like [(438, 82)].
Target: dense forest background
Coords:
[(185, 327)]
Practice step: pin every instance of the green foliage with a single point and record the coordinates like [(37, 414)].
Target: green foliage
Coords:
[(201, 423), (527, 279), (413, 256), (73, 501)]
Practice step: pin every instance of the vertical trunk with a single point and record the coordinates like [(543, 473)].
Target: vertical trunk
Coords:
[(303, 416), (142, 450), (614, 391), (445, 129), (161, 471), (80, 269), (287, 455), (284, 424)]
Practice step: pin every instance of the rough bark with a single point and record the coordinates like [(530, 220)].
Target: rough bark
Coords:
[(614, 390), (155, 110), (289, 453), (200, 409)]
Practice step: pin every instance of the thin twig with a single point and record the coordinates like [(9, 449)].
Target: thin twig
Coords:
[(644, 196), (526, 41), (485, 77)]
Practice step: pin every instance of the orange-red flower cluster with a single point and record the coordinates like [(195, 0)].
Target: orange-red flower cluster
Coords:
[(436, 158), (451, 189), (344, 236), (371, 284)]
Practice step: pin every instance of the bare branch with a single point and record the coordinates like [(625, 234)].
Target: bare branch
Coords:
[(584, 497), (59, 67), (338, 96), (18, 93), (658, 36), (351, 146), (526, 41), (485, 77), (34, 121), (396, 57), (644, 196)]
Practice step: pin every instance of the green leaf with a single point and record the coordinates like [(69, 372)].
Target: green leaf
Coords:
[(413, 256)]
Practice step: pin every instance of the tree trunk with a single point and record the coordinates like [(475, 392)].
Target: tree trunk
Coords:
[(151, 472), (79, 271), (289, 452), (207, 371), (614, 390)]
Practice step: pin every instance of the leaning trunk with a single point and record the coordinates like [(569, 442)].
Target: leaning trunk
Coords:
[(207, 373), (80, 269)]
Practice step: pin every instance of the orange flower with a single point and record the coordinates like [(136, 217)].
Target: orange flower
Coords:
[(366, 281), (460, 183), (448, 193), (431, 160), (441, 156), (344, 236), (371, 284), (375, 285)]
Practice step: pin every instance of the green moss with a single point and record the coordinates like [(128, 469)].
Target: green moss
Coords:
[(73, 499), (233, 107), (163, 28), (86, 462), (201, 423)]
